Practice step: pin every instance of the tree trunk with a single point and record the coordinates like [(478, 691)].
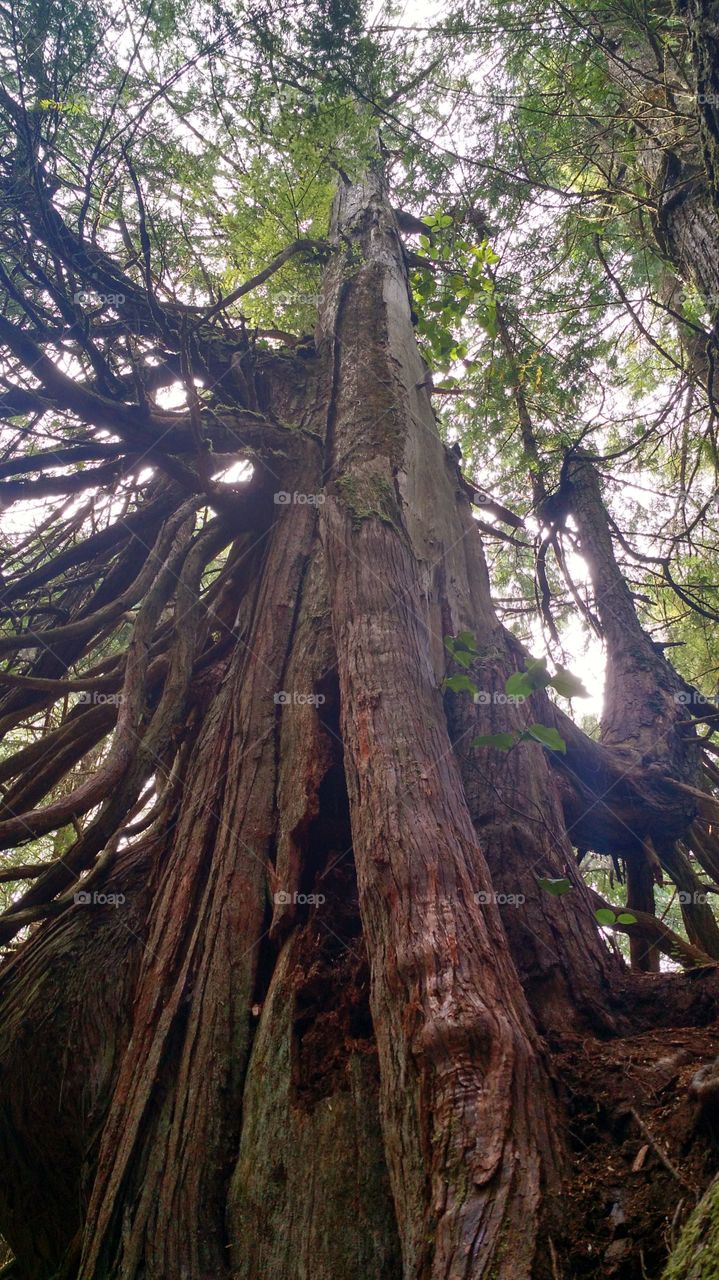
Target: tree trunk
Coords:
[(378, 983), (464, 1096), (323, 1057), (686, 217), (644, 717), (66, 999), (702, 20)]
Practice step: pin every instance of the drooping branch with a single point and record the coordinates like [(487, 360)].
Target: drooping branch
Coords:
[(159, 577), (138, 747)]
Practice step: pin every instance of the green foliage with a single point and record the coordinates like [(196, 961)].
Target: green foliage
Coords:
[(462, 648), (557, 888), (455, 290), (606, 916), (547, 737), (517, 687)]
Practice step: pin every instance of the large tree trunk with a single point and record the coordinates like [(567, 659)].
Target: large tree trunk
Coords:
[(392, 997), (464, 1097), (324, 1057)]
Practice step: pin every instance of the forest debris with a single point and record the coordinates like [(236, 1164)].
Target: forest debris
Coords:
[(661, 1153), (640, 1157), (617, 1250), (553, 1256)]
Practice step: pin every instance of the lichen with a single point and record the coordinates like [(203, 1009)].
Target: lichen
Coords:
[(369, 497)]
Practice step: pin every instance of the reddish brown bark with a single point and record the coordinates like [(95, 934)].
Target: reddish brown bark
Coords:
[(65, 1003), (325, 1058), (157, 1206), (465, 1099), (645, 718)]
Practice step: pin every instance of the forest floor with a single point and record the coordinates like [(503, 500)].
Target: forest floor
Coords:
[(644, 1146)]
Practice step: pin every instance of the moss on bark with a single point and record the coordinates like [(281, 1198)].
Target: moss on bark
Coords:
[(696, 1256)]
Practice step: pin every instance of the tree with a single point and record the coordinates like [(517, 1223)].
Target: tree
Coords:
[(293, 973)]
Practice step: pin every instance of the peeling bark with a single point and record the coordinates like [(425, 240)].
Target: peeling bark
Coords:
[(325, 1056), (65, 1013), (157, 1208), (465, 1099)]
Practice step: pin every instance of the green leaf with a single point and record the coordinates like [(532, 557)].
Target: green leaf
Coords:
[(605, 916), (502, 741), (537, 672), (467, 640), (548, 737), (464, 658), (460, 684), (626, 918), (557, 888), (567, 684), (518, 685)]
